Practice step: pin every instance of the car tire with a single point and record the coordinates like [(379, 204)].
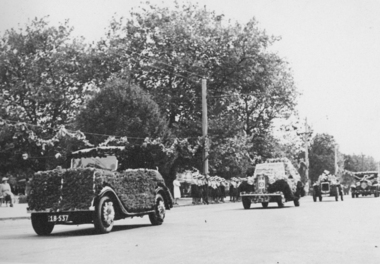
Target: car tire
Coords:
[(279, 202), (41, 225), (158, 216), (104, 215), (246, 202), (265, 204)]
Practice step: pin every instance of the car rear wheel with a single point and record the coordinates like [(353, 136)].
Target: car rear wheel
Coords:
[(41, 225), (104, 215), (158, 216), (279, 202)]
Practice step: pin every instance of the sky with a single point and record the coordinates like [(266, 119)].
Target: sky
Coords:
[(332, 46)]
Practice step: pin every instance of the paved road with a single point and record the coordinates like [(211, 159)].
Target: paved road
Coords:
[(321, 232)]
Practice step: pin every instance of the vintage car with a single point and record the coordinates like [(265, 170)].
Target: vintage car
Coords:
[(275, 181), (95, 189), (365, 183), (327, 186)]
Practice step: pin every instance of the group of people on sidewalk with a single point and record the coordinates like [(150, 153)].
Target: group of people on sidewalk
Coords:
[(206, 189)]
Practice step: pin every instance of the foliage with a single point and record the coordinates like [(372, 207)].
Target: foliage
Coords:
[(169, 51), (361, 162), (44, 81), (121, 109), (48, 77), (232, 156), (321, 155)]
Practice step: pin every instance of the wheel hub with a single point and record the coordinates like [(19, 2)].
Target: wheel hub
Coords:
[(108, 213), (161, 209)]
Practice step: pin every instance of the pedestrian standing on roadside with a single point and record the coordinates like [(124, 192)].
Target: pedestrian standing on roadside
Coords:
[(205, 192), (6, 191), (177, 190), (27, 187)]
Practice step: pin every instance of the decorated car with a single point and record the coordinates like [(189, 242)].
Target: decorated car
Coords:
[(365, 183), (275, 181), (96, 189), (327, 185)]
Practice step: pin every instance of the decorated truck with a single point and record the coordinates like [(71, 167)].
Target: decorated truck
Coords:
[(327, 185), (275, 181), (96, 189), (365, 183)]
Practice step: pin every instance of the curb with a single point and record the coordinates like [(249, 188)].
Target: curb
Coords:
[(14, 218)]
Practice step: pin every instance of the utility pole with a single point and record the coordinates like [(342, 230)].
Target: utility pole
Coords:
[(205, 126), (305, 138), (336, 159), (306, 141)]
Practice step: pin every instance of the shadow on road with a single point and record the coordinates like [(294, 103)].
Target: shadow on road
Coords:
[(262, 208), (92, 231), (73, 233)]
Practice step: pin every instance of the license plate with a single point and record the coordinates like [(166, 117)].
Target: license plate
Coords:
[(58, 218)]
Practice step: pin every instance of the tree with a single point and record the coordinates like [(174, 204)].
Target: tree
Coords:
[(321, 155), (44, 81), (169, 51), (121, 109), (361, 162)]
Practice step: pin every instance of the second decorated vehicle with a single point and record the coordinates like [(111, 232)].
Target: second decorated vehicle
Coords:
[(96, 189), (275, 181), (327, 186)]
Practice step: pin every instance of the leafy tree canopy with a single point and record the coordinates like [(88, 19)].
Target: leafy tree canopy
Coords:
[(123, 110), (321, 155)]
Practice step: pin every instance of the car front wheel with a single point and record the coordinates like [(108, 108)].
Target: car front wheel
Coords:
[(157, 217), (104, 215)]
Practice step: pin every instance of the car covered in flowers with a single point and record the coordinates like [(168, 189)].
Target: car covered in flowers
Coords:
[(327, 185), (96, 189), (275, 181), (365, 183)]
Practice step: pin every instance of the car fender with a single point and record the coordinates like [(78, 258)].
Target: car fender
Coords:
[(109, 191)]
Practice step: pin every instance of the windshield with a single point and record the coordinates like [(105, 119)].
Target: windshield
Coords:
[(109, 162)]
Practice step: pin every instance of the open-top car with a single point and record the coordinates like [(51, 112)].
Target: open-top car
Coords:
[(275, 181), (327, 186), (365, 183), (96, 189)]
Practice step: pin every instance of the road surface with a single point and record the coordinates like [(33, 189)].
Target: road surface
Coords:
[(315, 232)]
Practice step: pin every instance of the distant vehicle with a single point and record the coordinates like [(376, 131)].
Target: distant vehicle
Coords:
[(366, 183), (327, 186), (275, 181), (95, 190)]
